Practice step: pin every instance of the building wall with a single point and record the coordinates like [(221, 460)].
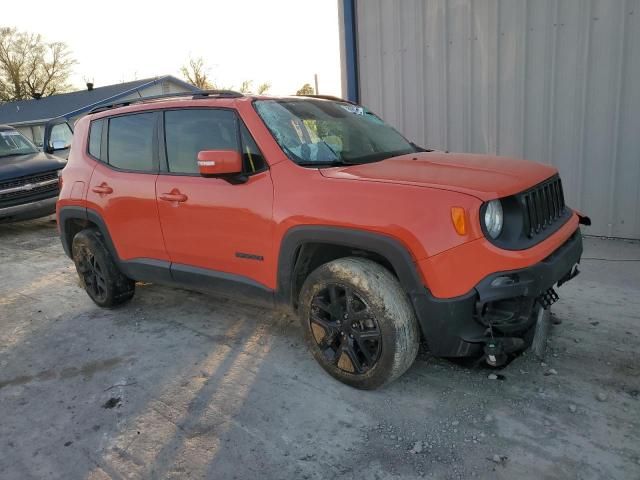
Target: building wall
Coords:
[(556, 81)]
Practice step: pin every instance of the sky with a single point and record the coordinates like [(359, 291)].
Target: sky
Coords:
[(284, 42)]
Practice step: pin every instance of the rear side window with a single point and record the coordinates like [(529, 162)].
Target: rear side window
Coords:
[(130, 142), (188, 132), (95, 138)]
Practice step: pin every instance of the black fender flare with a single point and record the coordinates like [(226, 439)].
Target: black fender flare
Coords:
[(65, 215), (86, 215), (384, 245)]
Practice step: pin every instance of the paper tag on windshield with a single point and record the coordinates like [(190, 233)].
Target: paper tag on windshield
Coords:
[(355, 109), (8, 133)]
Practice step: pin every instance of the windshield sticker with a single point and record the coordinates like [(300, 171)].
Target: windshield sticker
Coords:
[(9, 133), (355, 109)]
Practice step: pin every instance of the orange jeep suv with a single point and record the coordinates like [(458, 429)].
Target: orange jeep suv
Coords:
[(317, 204)]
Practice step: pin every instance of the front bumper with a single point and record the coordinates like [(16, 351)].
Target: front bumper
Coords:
[(503, 304), (28, 211)]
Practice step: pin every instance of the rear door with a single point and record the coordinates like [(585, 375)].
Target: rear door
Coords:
[(122, 187), (218, 227)]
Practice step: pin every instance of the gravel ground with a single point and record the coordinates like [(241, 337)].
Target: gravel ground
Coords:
[(182, 385)]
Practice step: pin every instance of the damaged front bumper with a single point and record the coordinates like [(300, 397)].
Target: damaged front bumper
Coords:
[(503, 306)]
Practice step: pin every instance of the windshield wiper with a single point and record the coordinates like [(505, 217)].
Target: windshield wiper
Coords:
[(419, 148), (325, 163)]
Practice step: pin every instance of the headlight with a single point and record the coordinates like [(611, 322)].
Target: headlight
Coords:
[(493, 218)]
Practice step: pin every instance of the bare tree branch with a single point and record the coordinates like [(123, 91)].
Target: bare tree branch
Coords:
[(196, 73), (31, 67), (306, 89), (263, 88)]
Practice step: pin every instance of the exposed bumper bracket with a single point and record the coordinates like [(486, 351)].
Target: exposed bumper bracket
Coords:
[(548, 298)]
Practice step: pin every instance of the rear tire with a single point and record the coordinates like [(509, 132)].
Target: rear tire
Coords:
[(358, 322), (98, 272)]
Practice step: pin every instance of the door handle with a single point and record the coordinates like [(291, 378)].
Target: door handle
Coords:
[(102, 189), (174, 196)]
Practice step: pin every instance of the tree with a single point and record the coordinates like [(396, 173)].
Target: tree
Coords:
[(197, 74), (245, 87), (31, 67), (306, 89), (263, 88)]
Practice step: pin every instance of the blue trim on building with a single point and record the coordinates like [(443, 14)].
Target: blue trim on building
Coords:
[(351, 49)]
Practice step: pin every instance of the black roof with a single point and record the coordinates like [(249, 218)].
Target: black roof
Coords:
[(31, 111)]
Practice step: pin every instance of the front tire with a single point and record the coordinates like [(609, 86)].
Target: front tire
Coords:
[(358, 322), (98, 272)]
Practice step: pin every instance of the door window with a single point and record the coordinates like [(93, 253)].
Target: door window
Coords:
[(188, 132), (130, 142)]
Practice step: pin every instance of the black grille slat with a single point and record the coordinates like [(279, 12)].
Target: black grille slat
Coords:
[(39, 177), (548, 205), (18, 197), (538, 210), (543, 205), (27, 193), (556, 199)]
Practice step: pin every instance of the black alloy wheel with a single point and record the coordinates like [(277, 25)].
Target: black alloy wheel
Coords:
[(92, 274), (105, 284), (345, 329)]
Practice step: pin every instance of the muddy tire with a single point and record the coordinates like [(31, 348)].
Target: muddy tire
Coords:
[(98, 272), (358, 322)]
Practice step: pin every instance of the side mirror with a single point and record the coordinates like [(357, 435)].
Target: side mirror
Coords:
[(59, 145), (216, 163)]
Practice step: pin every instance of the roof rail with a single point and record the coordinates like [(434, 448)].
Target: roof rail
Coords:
[(328, 97), (193, 95)]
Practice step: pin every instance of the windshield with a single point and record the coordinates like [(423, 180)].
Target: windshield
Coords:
[(13, 142), (316, 132)]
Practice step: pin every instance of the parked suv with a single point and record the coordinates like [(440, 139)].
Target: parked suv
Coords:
[(316, 204), (28, 178)]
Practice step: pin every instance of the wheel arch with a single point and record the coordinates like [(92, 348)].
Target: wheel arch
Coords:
[(304, 248), (73, 219)]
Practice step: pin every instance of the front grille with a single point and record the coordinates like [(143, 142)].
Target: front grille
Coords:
[(28, 188), (543, 205)]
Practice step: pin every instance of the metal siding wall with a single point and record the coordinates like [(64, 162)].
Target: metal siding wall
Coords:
[(556, 81)]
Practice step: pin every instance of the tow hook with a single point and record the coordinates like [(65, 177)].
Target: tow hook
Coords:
[(496, 351), (494, 354)]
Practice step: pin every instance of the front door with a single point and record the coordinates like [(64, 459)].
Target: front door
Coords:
[(216, 232)]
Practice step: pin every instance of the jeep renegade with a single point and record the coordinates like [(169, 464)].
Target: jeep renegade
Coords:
[(317, 204)]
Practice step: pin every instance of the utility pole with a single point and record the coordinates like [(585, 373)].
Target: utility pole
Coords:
[(315, 77)]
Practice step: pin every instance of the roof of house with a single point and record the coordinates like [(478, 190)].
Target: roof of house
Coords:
[(37, 111)]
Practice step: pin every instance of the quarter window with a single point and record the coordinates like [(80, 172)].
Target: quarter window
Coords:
[(188, 132), (253, 161), (95, 138), (130, 144)]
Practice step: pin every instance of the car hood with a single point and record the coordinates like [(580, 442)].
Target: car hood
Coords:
[(21, 165), (483, 176)]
